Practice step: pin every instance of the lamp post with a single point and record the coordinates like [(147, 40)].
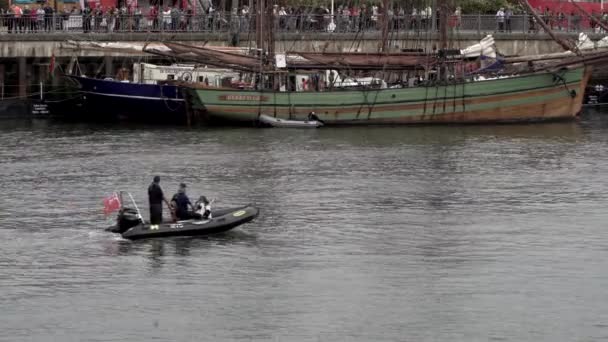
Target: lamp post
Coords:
[(332, 26)]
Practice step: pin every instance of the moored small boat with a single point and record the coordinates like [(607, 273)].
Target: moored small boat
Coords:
[(283, 123)]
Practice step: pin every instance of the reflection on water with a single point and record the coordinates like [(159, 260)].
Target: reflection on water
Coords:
[(365, 234)]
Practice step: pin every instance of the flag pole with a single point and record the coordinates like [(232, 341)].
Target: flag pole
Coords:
[(332, 26)]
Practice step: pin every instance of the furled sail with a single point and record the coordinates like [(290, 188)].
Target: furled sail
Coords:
[(485, 47)]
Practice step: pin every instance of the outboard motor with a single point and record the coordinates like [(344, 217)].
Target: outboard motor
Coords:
[(127, 218)]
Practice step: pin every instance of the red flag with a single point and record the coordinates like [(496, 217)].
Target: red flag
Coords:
[(111, 203)]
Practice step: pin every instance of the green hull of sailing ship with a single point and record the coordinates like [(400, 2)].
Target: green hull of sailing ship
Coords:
[(531, 97)]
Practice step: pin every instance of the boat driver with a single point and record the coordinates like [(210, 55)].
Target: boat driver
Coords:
[(156, 199), (180, 203), (313, 117)]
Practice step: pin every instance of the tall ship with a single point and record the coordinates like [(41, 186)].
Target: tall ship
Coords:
[(537, 96), (444, 86)]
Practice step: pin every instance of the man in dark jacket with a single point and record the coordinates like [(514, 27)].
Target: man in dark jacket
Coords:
[(48, 18), (86, 19), (156, 199), (180, 202)]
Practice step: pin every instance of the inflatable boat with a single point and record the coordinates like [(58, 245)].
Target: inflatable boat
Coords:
[(277, 122), (130, 224)]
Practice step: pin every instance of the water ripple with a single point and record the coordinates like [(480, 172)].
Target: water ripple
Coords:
[(365, 234)]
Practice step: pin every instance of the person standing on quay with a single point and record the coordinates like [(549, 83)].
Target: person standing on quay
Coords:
[(156, 199), (48, 18), (500, 19), (508, 15)]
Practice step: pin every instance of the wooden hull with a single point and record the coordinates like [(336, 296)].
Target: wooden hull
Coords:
[(533, 97)]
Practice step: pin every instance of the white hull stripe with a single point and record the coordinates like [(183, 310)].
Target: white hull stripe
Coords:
[(135, 97)]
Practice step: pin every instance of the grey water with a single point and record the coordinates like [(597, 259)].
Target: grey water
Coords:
[(457, 233)]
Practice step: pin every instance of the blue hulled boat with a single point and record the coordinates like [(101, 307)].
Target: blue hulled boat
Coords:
[(108, 99), (150, 95)]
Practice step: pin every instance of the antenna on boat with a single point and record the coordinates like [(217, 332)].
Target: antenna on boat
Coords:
[(136, 208)]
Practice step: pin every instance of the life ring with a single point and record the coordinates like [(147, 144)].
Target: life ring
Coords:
[(186, 76)]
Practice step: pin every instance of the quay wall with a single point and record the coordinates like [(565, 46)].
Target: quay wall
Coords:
[(45, 45)]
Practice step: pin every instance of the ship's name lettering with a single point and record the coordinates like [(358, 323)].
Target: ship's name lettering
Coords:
[(243, 98), (173, 71)]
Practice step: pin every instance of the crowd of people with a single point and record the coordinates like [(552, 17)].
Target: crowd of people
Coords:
[(555, 20), (346, 18), (572, 21), (18, 19), (24, 19)]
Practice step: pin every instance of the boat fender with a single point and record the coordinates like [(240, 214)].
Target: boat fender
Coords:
[(573, 93)]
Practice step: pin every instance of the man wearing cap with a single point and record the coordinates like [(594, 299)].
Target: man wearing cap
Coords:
[(156, 198), (180, 203)]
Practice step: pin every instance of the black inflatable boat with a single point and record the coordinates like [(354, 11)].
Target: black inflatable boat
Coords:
[(131, 226)]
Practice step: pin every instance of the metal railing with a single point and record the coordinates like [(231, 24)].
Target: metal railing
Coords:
[(225, 23)]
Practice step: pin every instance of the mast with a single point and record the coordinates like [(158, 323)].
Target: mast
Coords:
[(269, 33), (269, 37), (442, 8), (443, 24), (385, 25), (259, 20)]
